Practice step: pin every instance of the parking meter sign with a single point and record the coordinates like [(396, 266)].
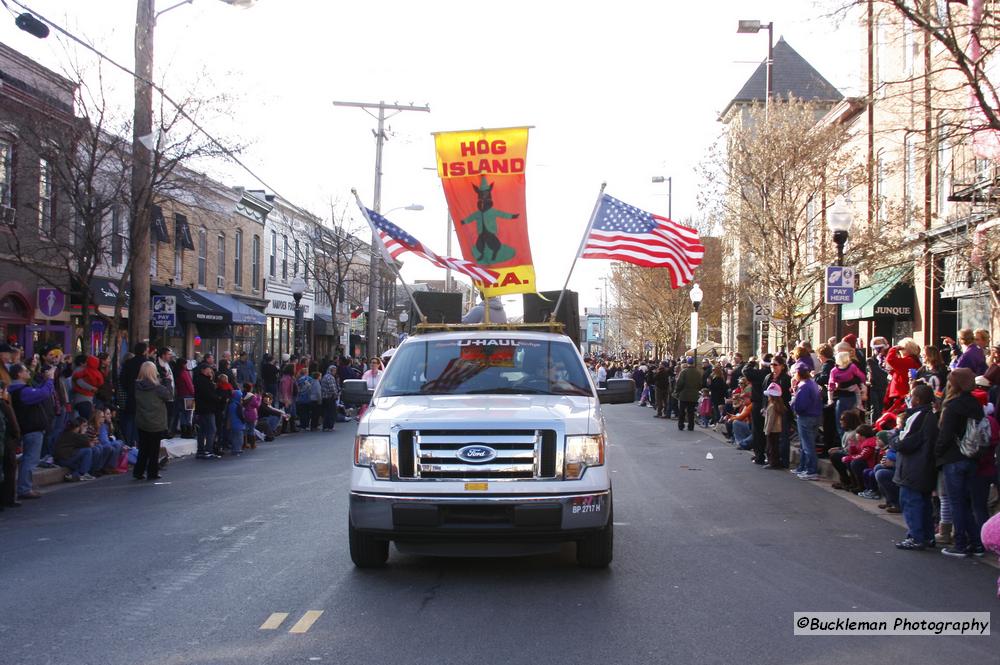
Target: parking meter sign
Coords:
[(164, 311), (839, 285)]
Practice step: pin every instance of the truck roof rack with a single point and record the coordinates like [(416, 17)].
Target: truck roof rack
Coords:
[(548, 326)]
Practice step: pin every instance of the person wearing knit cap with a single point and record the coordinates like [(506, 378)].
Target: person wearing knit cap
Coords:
[(958, 408)]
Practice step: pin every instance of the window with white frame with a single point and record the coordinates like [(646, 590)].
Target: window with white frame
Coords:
[(119, 236), (909, 178), (202, 257), (6, 172), (238, 258), (44, 197), (295, 265), (284, 260), (255, 264), (273, 267), (221, 257)]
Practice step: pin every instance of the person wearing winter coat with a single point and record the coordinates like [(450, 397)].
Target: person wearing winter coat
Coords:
[(779, 374), (957, 411), (331, 392), (686, 390), (75, 450), (900, 359), (206, 405), (181, 418), (845, 385), (878, 378), (287, 392), (969, 355), (303, 399), (916, 471), (808, 408), (774, 415), (234, 422), (126, 381), (29, 406), (152, 397), (315, 401), (251, 413), (87, 380), (9, 436)]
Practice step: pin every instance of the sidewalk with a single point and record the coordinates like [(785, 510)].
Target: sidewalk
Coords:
[(829, 476)]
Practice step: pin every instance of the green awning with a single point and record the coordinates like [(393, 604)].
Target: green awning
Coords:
[(870, 298)]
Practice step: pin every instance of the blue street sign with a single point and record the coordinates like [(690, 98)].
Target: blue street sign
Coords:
[(839, 285), (164, 311)]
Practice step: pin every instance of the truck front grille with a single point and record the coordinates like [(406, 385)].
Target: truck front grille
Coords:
[(433, 454)]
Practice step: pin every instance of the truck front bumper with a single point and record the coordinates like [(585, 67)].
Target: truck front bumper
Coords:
[(550, 518)]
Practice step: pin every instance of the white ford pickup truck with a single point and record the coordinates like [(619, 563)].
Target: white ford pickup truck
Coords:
[(482, 442)]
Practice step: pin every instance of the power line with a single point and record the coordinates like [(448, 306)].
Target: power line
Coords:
[(155, 87)]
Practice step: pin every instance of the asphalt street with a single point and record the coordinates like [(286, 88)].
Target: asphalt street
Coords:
[(246, 561)]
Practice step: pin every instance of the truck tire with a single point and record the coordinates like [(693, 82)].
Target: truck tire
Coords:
[(597, 549), (366, 551)]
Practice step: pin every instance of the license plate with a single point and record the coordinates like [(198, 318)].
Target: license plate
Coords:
[(477, 487), (587, 504)]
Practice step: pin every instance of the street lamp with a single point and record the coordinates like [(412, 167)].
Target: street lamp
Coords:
[(298, 287), (839, 221), (657, 179), (696, 295), (412, 206), (746, 27)]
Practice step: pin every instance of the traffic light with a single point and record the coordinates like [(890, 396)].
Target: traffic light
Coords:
[(32, 25)]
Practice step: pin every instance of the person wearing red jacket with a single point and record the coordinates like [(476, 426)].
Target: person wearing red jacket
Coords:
[(861, 455), (87, 379), (901, 358)]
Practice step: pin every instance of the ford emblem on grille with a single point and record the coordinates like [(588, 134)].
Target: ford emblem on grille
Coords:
[(476, 454)]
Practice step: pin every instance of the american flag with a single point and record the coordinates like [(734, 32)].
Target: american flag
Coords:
[(625, 233), (398, 241)]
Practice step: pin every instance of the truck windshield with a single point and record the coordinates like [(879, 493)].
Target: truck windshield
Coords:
[(485, 366)]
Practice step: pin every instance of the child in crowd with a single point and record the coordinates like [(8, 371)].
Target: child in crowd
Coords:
[(774, 415), (234, 422), (848, 422), (106, 449), (704, 407), (860, 456), (250, 406), (845, 385)]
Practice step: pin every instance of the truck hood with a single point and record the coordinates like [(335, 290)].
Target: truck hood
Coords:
[(577, 414)]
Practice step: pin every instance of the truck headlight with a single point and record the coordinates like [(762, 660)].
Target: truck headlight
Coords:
[(373, 452), (582, 452)]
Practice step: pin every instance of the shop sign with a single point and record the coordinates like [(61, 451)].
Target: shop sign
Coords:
[(884, 310)]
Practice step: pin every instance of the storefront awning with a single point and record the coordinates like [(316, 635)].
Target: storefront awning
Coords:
[(885, 296), (193, 307), (240, 312), (322, 324)]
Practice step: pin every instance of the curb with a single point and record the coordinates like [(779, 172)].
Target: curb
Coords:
[(828, 473)]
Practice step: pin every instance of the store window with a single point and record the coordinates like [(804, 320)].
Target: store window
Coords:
[(119, 236), (273, 262)]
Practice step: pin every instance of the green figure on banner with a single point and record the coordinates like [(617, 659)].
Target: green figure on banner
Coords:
[(488, 248)]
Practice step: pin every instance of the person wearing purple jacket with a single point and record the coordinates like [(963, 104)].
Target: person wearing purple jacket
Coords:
[(807, 403), (971, 356), (33, 421)]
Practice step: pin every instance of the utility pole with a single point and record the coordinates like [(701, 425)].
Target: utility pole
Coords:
[(374, 255), (142, 127)]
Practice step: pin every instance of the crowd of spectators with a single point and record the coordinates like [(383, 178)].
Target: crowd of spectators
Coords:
[(76, 413)]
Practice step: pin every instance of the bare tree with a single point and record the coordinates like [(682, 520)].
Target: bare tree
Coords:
[(336, 269), (770, 182)]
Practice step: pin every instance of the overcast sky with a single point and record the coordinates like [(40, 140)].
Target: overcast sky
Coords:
[(616, 92)]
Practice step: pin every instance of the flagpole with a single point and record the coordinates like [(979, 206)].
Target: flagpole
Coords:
[(583, 243), (388, 259)]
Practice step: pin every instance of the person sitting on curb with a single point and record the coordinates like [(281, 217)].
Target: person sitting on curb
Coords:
[(75, 451), (107, 449), (270, 418)]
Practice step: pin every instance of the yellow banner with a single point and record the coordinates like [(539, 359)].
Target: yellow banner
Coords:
[(482, 173)]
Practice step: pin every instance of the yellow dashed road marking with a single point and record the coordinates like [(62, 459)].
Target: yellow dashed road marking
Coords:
[(274, 621), (306, 622)]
